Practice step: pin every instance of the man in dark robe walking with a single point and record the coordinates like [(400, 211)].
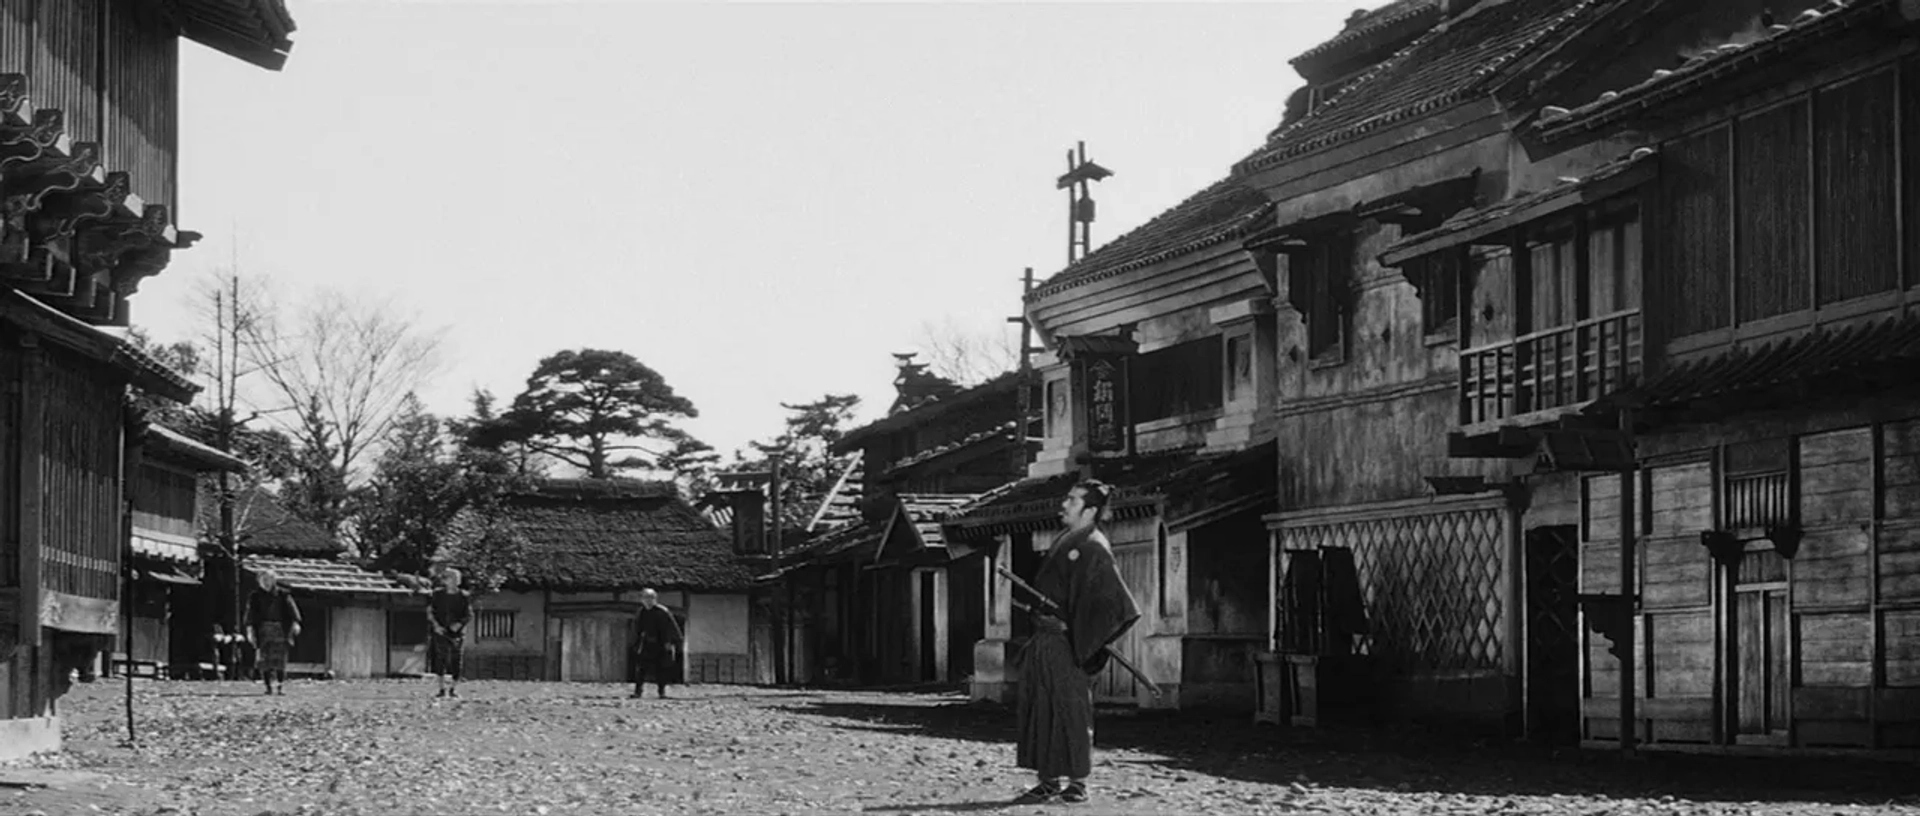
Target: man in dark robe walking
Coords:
[(1091, 608), (657, 641)]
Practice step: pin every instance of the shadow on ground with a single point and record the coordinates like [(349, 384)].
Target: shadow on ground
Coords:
[(1403, 759)]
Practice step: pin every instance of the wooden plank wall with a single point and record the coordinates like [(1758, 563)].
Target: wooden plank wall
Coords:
[(1853, 622), (80, 464), (1896, 586), (143, 91), (1676, 624), (61, 46)]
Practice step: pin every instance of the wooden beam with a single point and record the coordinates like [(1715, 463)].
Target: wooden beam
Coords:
[(78, 613)]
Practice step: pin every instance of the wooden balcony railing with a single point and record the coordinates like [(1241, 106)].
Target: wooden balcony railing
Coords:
[(1557, 368)]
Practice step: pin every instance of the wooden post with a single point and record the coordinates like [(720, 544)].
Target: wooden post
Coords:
[(130, 461), (1629, 588), (32, 496), (126, 615)]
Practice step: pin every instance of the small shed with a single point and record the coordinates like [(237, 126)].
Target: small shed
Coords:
[(345, 614), (591, 546)]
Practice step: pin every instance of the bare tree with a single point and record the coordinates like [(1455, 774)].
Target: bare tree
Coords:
[(342, 366), (230, 309), (968, 355)]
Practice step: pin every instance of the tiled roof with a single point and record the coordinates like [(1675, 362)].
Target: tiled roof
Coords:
[(854, 542), (1482, 218), (264, 526), (1446, 66), (927, 410), (1221, 212), (325, 577), (153, 544), (252, 30), (925, 511), (168, 443), (1178, 480), (617, 534), (1371, 23), (75, 334), (1811, 26), (1889, 344), (1004, 430)]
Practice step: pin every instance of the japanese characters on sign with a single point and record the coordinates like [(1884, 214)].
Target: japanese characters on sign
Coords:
[(1106, 407)]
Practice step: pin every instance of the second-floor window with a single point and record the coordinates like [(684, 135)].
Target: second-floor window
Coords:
[(1239, 367), (1581, 266), (1180, 379), (1613, 259), (1439, 277), (1325, 269), (1553, 278)]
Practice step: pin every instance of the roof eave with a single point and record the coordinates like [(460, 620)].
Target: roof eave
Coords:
[(214, 27), (74, 335), (851, 441), (1666, 89)]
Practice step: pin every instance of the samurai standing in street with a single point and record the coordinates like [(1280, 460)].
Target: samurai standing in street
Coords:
[(1068, 650)]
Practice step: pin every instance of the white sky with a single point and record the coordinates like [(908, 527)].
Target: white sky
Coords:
[(759, 201)]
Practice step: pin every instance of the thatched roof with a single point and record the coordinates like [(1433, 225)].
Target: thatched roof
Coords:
[(265, 526), (585, 534)]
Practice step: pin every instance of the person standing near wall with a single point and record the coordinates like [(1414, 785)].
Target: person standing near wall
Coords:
[(448, 610), (273, 622), (656, 644), (1091, 607)]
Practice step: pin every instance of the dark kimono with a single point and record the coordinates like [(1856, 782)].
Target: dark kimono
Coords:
[(1066, 651), (657, 635)]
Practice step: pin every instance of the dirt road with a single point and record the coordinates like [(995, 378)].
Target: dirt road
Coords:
[(380, 747)]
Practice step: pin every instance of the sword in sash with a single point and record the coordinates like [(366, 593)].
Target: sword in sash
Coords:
[(1051, 607)]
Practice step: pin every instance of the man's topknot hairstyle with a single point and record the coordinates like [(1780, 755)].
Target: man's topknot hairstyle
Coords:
[(1097, 492)]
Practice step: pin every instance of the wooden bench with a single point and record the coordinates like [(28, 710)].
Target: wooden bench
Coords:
[(151, 669)]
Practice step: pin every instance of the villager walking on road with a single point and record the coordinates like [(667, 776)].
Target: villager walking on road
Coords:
[(1092, 608), (272, 624), (448, 610), (656, 643)]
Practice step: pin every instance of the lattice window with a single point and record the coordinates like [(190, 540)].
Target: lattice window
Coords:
[(1432, 586), (1758, 483), (494, 624)]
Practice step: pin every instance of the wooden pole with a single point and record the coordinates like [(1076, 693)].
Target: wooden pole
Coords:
[(129, 467), (783, 642), (1629, 588), (1072, 230)]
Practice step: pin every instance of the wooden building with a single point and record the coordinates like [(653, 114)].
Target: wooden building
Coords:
[(167, 636), (881, 599), (591, 546), (1475, 357), (1745, 420), (88, 132), (1158, 378), (1404, 122)]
